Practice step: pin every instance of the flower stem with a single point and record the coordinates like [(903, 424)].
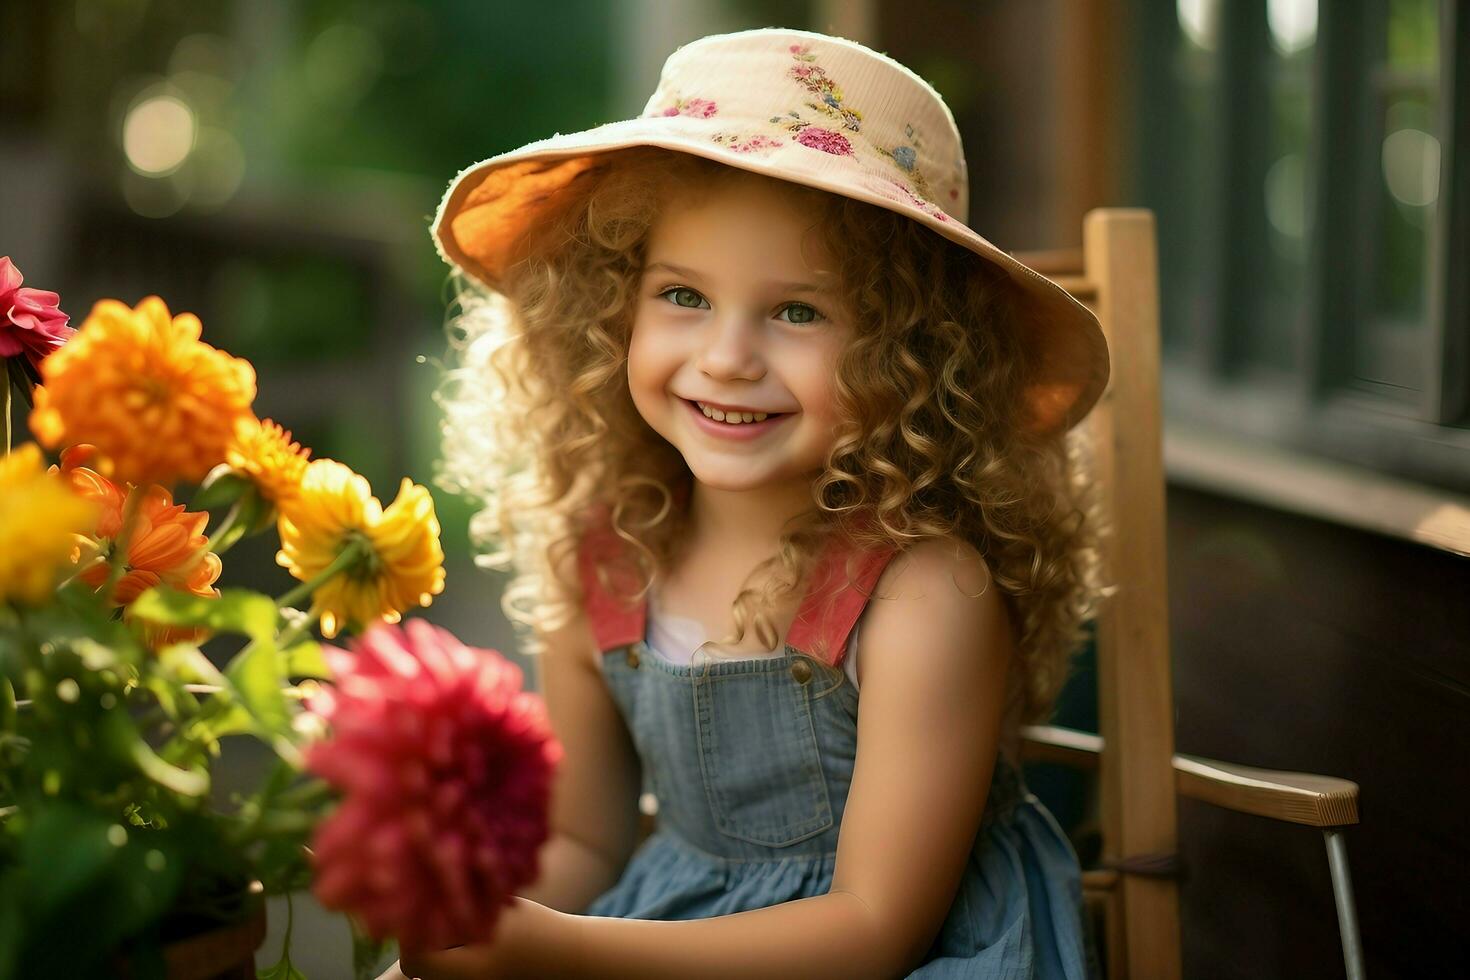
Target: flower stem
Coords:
[(295, 633), (5, 383), (225, 525), (286, 946), (346, 559)]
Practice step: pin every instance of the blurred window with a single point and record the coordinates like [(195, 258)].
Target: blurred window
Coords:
[(1308, 165)]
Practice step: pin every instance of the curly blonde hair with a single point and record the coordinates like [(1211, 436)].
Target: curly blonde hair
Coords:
[(540, 426)]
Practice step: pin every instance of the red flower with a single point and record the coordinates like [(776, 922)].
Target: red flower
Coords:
[(445, 766), (30, 322), (824, 140)]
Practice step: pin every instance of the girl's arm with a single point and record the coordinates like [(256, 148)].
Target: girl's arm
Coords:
[(934, 666), (594, 797)]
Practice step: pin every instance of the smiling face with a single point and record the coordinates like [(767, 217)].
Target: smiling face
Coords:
[(725, 316)]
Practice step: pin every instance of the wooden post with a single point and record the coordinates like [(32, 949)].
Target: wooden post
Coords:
[(1139, 816)]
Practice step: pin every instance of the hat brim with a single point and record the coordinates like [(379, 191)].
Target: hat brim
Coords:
[(489, 204)]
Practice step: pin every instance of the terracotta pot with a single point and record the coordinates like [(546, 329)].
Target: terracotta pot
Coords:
[(226, 953)]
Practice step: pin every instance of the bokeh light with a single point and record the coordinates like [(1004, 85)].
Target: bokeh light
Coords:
[(1200, 21), (1293, 24), (1286, 197), (209, 54), (219, 166), (1411, 166), (158, 134)]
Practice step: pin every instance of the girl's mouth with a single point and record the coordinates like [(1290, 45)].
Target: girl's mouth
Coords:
[(734, 430)]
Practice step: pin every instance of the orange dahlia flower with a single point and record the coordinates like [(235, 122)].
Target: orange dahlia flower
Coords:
[(40, 521), (167, 545), (158, 404), (264, 452), (401, 565), (90, 485)]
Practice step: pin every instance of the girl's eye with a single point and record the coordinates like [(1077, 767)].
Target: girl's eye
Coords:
[(674, 291), (808, 313)]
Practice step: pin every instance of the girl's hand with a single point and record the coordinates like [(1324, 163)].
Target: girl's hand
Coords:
[(528, 936)]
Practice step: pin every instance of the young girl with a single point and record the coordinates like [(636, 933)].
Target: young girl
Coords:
[(736, 369)]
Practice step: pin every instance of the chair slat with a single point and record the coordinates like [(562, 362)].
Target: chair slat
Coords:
[(1135, 686)]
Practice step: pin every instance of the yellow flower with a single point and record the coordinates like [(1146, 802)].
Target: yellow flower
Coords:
[(401, 565), (40, 523), (158, 404), (264, 452)]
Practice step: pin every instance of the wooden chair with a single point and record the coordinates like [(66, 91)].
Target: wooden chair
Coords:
[(1133, 900)]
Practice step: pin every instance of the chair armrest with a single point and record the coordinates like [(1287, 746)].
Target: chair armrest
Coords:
[(1295, 797)]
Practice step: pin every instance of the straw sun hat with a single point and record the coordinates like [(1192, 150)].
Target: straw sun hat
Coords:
[(812, 109)]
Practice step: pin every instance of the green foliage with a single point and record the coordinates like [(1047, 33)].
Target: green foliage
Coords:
[(235, 611), (79, 867), (106, 811), (281, 971)]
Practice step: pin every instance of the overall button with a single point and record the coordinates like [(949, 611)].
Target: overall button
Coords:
[(632, 657), (802, 671)]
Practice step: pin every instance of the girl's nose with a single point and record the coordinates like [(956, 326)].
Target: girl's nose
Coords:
[(732, 350)]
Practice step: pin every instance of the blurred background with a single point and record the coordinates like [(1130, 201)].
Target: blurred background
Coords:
[(273, 166)]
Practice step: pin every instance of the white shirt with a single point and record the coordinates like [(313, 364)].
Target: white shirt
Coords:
[(675, 640)]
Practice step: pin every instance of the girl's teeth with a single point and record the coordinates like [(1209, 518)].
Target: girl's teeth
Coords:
[(733, 418)]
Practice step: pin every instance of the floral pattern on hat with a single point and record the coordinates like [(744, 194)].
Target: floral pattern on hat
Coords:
[(698, 108), (827, 131), (814, 79), (757, 143), (905, 156), (897, 190), (825, 140)]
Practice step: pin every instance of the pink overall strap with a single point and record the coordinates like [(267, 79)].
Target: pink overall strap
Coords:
[(823, 621), (833, 604), (616, 620)]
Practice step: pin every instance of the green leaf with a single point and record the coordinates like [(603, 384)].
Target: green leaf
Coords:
[(189, 665), (281, 971), (228, 539), (7, 705), (235, 611), (222, 486), (234, 720), (306, 660), (189, 782), (258, 675), (76, 871)]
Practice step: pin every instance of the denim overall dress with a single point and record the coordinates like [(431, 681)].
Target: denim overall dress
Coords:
[(751, 761)]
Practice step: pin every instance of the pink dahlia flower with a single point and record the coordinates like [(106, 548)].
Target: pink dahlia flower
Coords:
[(445, 766), (30, 322)]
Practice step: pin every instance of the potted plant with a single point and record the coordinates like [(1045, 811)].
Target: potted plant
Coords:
[(115, 856)]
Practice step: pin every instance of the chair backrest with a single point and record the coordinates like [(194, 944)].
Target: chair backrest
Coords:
[(1116, 275)]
